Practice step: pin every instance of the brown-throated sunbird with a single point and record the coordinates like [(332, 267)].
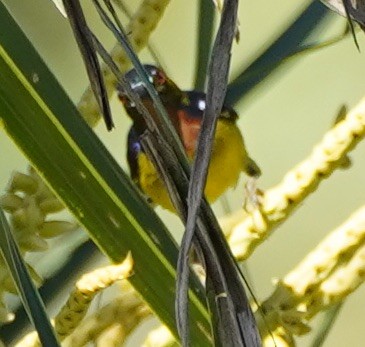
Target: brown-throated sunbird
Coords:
[(185, 108)]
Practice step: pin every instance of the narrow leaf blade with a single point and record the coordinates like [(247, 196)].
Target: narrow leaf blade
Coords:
[(28, 293)]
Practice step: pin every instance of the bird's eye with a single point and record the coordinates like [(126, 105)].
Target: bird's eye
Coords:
[(159, 78)]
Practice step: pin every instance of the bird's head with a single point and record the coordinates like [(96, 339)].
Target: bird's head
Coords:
[(169, 93)]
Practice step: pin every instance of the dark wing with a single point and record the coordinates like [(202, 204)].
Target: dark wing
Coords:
[(134, 148)]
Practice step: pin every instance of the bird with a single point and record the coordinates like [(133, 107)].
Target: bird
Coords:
[(185, 108)]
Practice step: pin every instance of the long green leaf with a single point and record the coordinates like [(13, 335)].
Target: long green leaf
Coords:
[(46, 126), (28, 293)]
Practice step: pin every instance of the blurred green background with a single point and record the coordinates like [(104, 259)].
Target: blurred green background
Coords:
[(281, 121)]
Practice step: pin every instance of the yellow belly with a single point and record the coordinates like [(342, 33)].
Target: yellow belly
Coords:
[(228, 159)]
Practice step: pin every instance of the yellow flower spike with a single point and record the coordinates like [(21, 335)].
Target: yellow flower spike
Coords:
[(229, 221), (334, 249), (126, 312), (282, 309), (85, 290), (334, 269), (340, 284), (75, 309), (346, 279), (92, 329), (279, 202), (140, 27), (131, 311)]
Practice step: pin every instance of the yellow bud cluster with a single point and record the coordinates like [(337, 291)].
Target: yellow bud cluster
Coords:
[(334, 269), (85, 290), (279, 202), (116, 319), (29, 201), (111, 324)]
